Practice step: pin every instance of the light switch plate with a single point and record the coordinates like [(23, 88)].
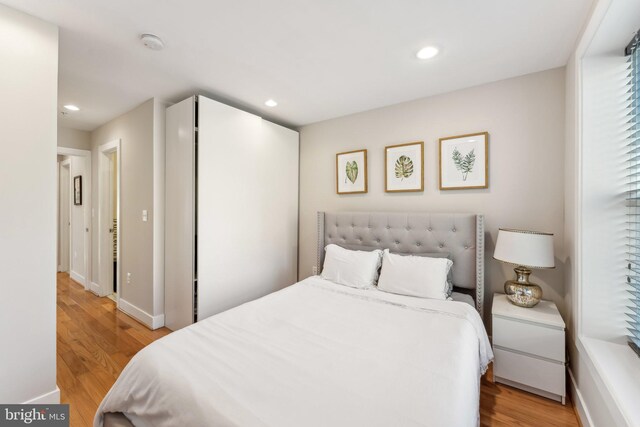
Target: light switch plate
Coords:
[(145, 215)]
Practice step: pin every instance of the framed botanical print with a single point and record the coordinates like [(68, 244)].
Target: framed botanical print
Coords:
[(464, 161), (404, 167), (351, 172), (77, 190)]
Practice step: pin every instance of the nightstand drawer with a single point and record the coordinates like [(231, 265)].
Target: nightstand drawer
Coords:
[(530, 371), (531, 338)]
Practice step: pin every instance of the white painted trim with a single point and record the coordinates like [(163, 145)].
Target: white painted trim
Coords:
[(50, 398), (64, 151), (110, 146), (152, 322), (599, 11), (77, 277), (96, 289), (86, 197), (578, 400)]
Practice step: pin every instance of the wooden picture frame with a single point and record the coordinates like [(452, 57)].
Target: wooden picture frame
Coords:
[(400, 164), (458, 161), (351, 172), (77, 190)]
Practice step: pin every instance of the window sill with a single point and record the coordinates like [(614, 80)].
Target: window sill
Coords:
[(619, 368)]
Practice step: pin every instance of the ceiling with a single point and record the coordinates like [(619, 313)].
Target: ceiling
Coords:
[(318, 59)]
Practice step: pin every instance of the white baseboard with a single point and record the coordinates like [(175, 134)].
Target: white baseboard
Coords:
[(77, 277), (97, 289), (51, 398), (152, 322), (581, 408)]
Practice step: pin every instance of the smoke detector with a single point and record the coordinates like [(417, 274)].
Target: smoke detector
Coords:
[(152, 41)]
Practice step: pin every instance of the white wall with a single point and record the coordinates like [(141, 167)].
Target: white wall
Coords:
[(28, 84), (525, 120), (138, 131), (159, 113), (74, 138)]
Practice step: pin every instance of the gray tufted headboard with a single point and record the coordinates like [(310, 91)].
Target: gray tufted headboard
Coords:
[(459, 235)]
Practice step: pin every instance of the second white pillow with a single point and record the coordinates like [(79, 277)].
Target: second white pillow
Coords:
[(415, 276)]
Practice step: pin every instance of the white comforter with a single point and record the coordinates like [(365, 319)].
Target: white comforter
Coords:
[(313, 354)]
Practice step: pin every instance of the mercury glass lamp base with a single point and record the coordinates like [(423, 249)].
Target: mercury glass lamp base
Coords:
[(521, 292)]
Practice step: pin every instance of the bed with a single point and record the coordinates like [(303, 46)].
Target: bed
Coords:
[(318, 353)]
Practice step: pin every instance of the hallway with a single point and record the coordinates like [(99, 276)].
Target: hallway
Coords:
[(94, 343)]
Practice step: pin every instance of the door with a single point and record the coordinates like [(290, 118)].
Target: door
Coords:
[(247, 197), (64, 218)]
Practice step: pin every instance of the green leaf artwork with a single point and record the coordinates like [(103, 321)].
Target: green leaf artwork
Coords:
[(404, 167), (352, 172), (464, 164)]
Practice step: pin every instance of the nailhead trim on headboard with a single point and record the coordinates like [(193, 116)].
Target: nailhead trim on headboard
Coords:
[(480, 264), (320, 244)]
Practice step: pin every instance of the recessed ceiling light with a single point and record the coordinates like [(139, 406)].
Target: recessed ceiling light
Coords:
[(152, 41), (270, 103), (427, 52), (71, 107)]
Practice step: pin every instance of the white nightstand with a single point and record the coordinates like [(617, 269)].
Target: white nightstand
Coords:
[(529, 347)]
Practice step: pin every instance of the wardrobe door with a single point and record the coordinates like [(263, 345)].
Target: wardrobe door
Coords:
[(281, 204), (247, 207), (180, 215)]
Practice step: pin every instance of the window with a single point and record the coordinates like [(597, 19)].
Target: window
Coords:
[(633, 200)]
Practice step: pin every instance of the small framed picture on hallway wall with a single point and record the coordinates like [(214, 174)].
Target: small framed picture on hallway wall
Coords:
[(77, 190)]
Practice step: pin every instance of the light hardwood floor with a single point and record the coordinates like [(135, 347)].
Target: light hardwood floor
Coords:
[(95, 342)]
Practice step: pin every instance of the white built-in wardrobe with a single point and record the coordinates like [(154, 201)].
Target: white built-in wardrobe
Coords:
[(231, 209)]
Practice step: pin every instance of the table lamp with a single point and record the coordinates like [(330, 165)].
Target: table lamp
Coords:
[(526, 250)]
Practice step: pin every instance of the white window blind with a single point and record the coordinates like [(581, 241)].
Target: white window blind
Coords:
[(633, 130)]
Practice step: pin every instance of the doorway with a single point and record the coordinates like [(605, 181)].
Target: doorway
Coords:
[(113, 208), (110, 230), (64, 220), (74, 214)]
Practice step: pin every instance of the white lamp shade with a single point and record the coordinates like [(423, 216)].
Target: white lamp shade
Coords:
[(526, 248)]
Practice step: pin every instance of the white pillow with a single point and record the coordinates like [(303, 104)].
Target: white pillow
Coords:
[(358, 269), (415, 276)]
